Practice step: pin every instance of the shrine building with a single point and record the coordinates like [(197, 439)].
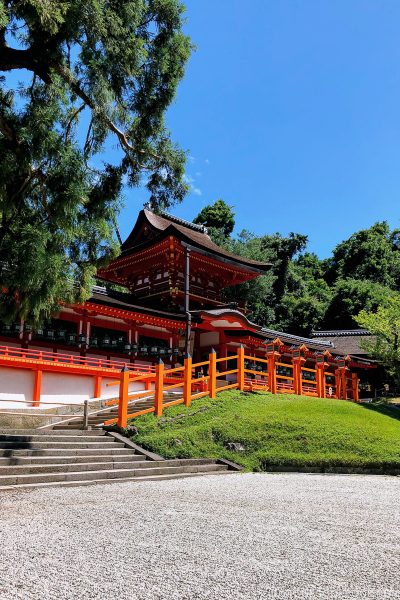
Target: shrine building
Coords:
[(163, 298)]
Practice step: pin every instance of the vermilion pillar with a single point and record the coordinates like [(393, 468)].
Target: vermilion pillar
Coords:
[(272, 356), (37, 386)]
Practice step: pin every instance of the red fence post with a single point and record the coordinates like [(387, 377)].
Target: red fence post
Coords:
[(123, 398), (97, 386), (159, 389), (212, 373), (320, 378), (240, 366), (37, 386), (354, 385), (187, 381)]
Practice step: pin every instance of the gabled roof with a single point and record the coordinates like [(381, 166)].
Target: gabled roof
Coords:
[(150, 227), (345, 341)]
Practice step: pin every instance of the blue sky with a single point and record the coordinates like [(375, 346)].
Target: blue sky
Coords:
[(290, 112)]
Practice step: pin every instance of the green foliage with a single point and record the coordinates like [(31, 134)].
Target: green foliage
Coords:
[(219, 218), (275, 430), (301, 292), (349, 297), (384, 323), (370, 254), (92, 72)]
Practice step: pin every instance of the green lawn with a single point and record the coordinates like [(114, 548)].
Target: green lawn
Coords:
[(276, 431)]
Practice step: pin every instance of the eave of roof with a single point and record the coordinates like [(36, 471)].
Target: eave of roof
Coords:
[(340, 333), (194, 237)]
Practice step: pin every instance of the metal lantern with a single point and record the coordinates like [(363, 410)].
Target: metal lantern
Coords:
[(106, 340), (61, 334), (134, 348), (127, 348), (143, 350), (71, 338), (6, 329), (82, 338), (28, 327), (154, 350), (94, 342), (50, 334), (176, 352), (39, 333), (162, 351), (114, 343)]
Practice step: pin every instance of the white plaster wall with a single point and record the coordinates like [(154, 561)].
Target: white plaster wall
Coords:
[(17, 384)]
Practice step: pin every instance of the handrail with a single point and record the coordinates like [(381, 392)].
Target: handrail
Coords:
[(256, 359), (225, 358), (28, 354), (270, 379)]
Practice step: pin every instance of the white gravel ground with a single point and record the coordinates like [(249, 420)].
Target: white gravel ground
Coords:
[(216, 537)]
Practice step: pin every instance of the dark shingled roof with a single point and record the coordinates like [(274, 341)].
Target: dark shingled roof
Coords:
[(194, 235), (345, 341)]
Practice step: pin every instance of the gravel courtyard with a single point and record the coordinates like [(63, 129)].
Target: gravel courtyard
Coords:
[(217, 537)]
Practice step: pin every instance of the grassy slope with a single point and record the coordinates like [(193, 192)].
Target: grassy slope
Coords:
[(275, 431)]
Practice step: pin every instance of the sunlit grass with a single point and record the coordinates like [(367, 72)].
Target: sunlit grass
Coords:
[(275, 430)]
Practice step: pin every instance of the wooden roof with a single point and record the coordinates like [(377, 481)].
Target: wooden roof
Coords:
[(150, 228)]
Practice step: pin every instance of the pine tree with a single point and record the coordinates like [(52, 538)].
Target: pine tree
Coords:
[(92, 72)]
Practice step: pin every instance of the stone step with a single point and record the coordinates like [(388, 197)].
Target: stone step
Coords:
[(55, 444), (62, 460), (60, 431), (52, 451), (99, 481), (140, 463), (6, 480), (56, 437)]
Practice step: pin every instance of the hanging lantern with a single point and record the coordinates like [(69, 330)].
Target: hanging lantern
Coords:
[(61, 334), (82, 339), (154, 350), (71, 339), (6, 329), (176, 351), (127, 348), (50, 334), (106, 340), (143, 350), (94, 342), (28, 328), (134, 348), (162, 351)]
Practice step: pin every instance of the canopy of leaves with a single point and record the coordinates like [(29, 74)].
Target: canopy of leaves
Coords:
[(370, 254), (92, 73), (384, 323), (218, 216), (302, 292)]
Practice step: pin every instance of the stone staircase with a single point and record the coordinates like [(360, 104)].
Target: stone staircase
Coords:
[(64, 457), (97, 418)]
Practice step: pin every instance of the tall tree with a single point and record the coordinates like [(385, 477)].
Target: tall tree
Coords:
[(219, 219), (370, 254), (384, 323), (90, 72)]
